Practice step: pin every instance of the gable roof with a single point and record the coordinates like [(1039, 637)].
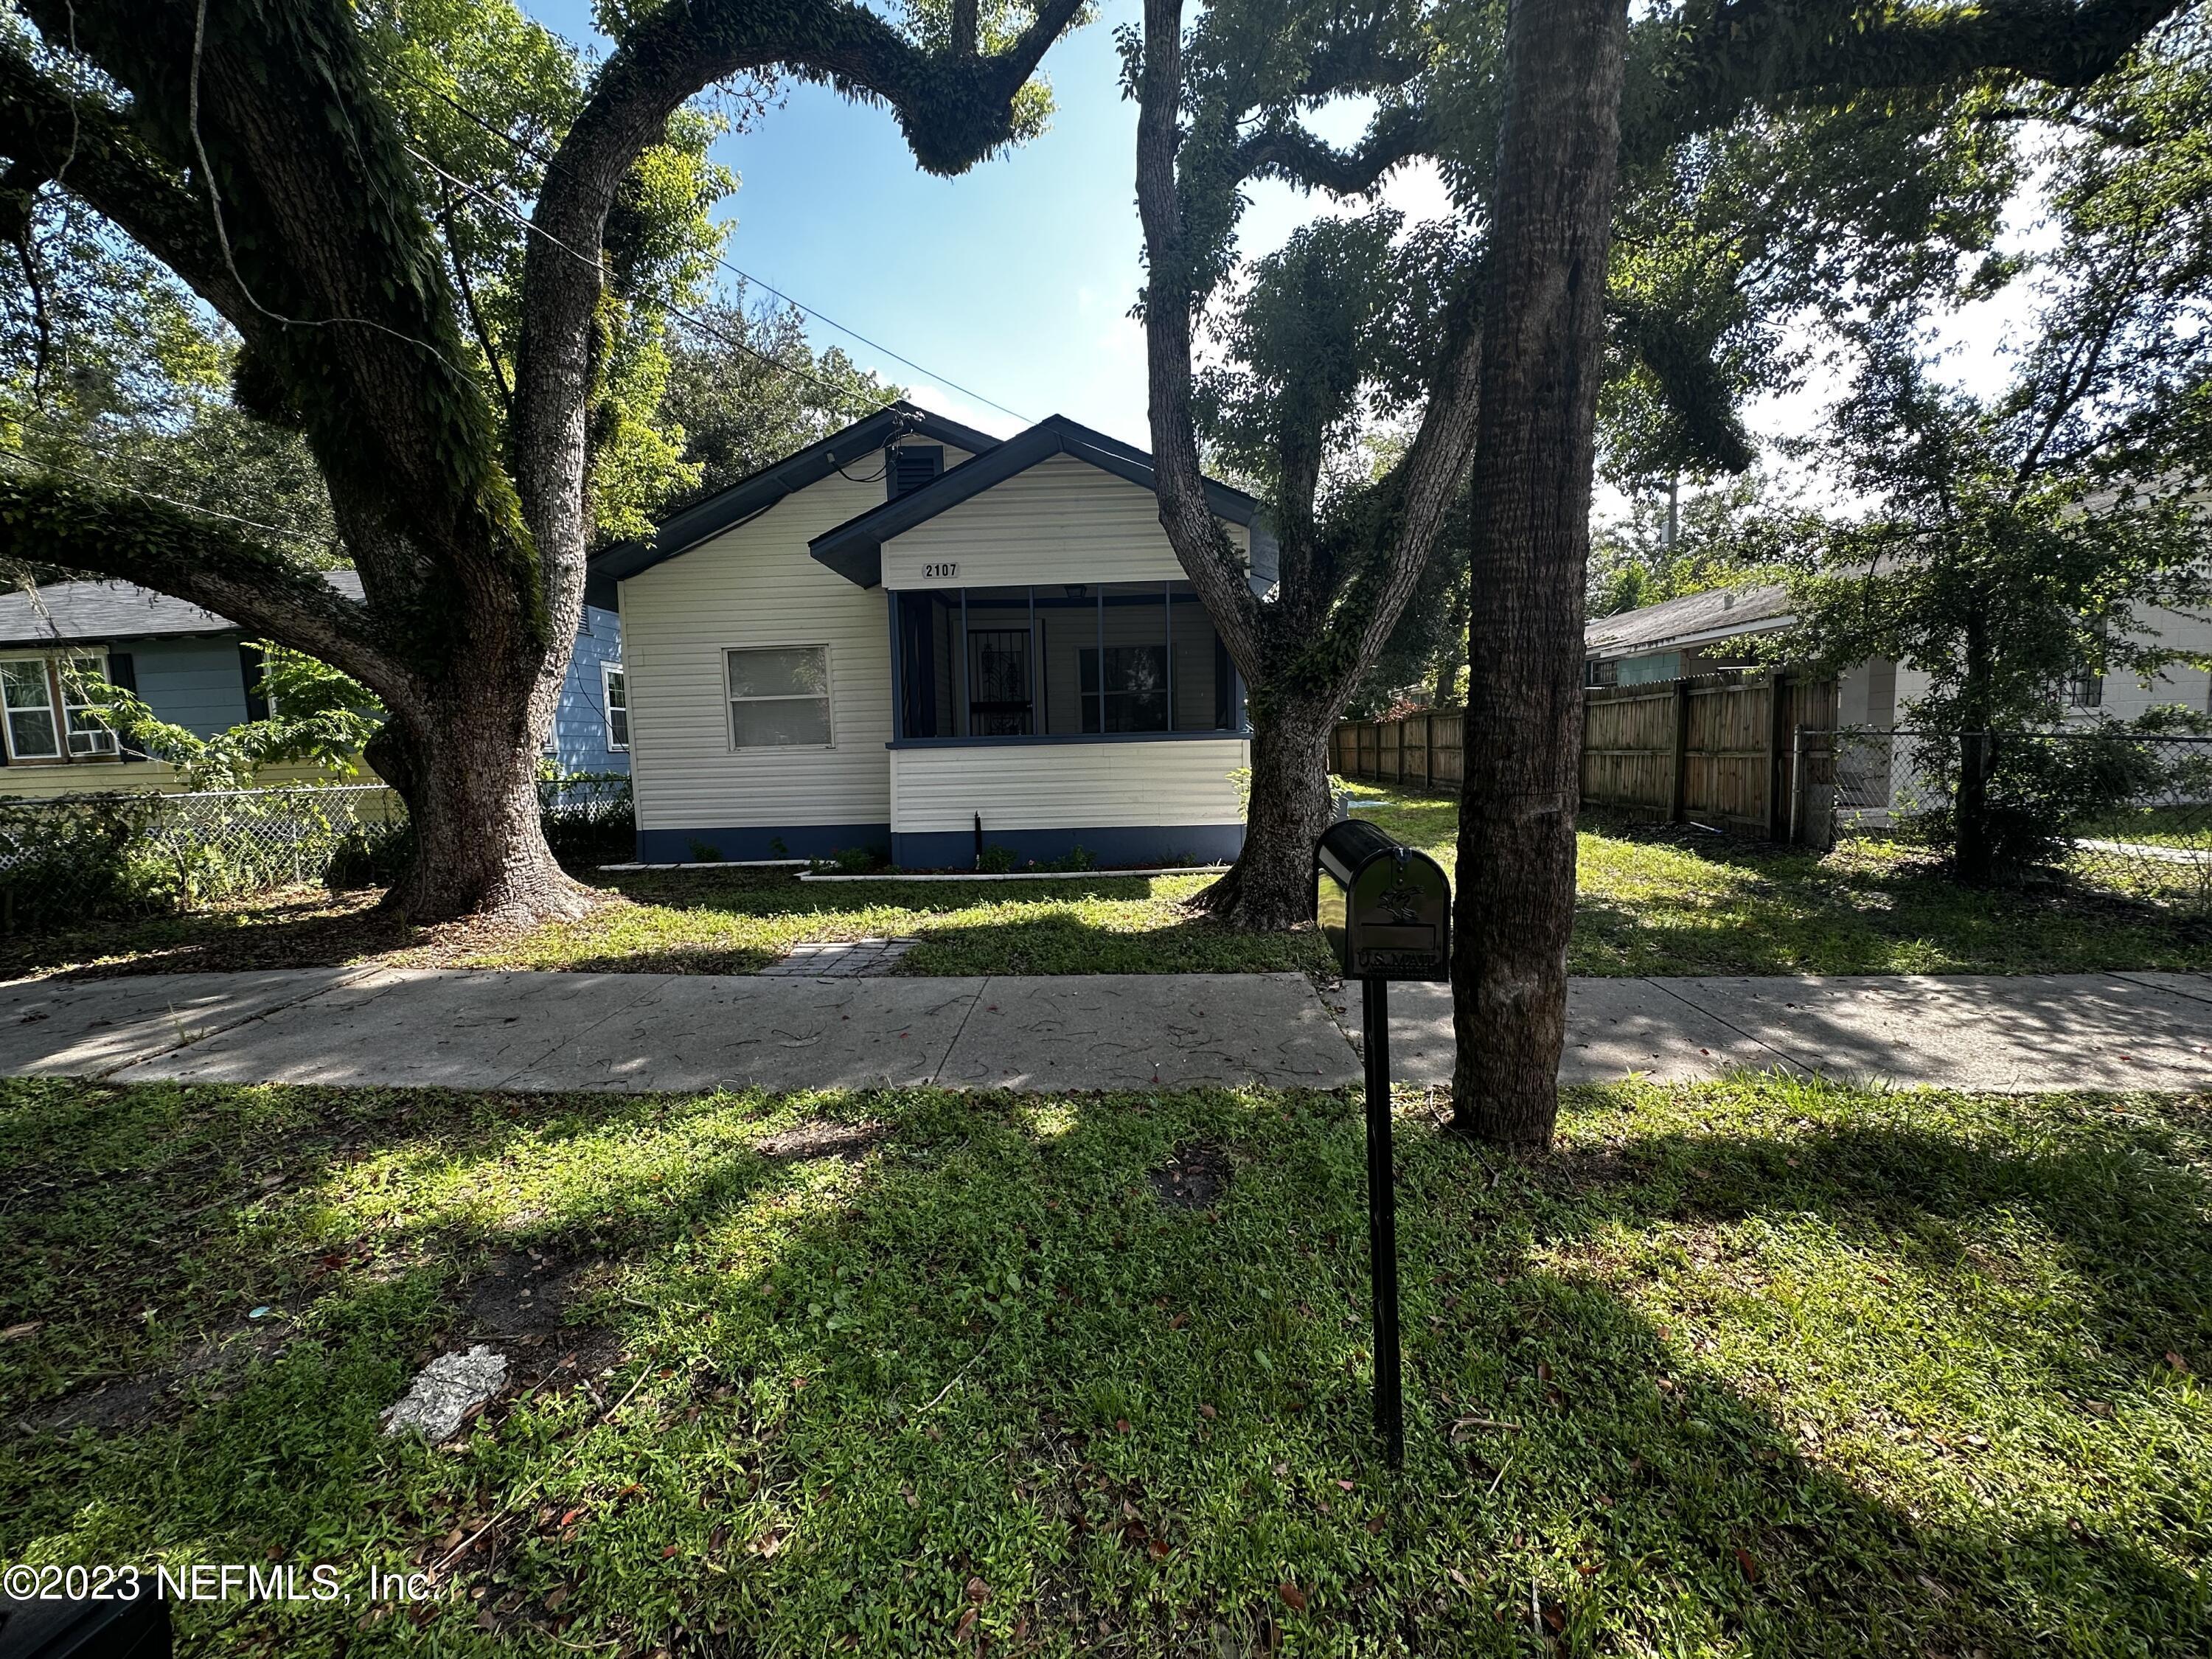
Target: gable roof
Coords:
[(754, 494), (1723, 614), (854, 550), (87, 613)]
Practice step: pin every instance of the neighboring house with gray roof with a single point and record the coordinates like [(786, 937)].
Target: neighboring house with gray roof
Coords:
[(1696, 634), (202, 671), (1703, 633)]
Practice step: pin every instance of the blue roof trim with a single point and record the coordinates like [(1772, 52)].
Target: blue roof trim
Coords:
[(854, 550), (750, 496)]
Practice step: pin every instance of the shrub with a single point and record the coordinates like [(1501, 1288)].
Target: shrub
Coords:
[(995, 860), (2044, 788), (82, 859), (1076, 858)]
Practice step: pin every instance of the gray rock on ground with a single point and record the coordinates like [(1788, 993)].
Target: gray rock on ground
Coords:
[(446, 1391)]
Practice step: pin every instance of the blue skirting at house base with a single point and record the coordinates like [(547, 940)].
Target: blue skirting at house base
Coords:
[(1149, 845), (801, 841)]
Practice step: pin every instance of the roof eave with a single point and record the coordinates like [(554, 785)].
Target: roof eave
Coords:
[(1606, 651)]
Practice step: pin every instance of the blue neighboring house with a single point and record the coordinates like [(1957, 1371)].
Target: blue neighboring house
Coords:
[(202, 671), (590, 724)]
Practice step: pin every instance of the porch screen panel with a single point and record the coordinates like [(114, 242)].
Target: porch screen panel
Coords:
[(1126, 673), (1001, 664), (1205, 685), (929, 667), (1066, 627)]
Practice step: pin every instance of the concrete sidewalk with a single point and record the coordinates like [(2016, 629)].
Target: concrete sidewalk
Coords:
[(645, 1032)]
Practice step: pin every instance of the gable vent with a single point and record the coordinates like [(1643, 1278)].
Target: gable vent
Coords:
[(913, 466)]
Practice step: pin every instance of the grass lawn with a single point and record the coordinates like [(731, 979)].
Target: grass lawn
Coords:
[(1791, 1370), (1650, 903)]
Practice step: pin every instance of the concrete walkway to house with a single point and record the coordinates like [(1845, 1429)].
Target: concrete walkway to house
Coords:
[(646, 1032)]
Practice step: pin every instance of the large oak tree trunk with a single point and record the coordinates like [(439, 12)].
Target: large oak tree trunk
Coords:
[(470, 786), (1271, 885), (1543, 332)]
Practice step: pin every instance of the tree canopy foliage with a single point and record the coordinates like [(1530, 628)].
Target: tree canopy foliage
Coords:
[(2006, 544)]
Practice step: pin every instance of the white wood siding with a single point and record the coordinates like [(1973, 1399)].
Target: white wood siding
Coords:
[(1062, 520), (2126, 695), (1077, 786), (754, 584)]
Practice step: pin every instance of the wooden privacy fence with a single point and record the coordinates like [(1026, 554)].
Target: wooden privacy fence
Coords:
[(1715, 749), (1422, 749)]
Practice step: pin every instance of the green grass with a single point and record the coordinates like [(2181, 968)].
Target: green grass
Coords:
[(1795, 1370), (716, 922), (1650, 903)]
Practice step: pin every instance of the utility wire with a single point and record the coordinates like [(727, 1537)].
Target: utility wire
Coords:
[(693, 317), (548, 161)]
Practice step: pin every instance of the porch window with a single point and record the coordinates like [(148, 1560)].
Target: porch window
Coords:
[(780, 697), (1064, 660), (614, 699)]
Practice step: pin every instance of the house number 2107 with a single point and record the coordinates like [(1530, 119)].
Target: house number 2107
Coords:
[(947, 570)]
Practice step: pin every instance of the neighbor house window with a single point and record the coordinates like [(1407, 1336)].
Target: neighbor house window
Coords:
[(50, 702), (780, 696), (29, 690), (81, 679), (614, 699)]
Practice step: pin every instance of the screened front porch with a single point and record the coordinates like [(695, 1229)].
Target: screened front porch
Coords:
[(1066, 660)]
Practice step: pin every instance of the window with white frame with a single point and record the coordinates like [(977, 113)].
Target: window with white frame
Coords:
[(84, 681), (614, 699), (51, 705), (779, 696), (28, 688)]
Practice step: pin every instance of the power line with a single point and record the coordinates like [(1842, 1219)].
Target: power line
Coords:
[(693, 317), (549, 160)]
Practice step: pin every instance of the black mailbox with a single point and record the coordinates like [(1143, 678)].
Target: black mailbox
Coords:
[(1386, 912), (1384, 908)]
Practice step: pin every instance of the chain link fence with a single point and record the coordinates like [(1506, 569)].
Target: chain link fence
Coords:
[(82, 857), (2128, 812)]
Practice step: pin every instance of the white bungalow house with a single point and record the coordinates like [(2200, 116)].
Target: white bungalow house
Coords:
[(916, 637)]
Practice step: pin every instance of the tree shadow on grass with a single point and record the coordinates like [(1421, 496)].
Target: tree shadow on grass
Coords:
[(302, 927), (972, 1363), (1083, 925)]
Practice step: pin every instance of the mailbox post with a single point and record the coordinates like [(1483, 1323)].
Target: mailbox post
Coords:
[(1386, 912)]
